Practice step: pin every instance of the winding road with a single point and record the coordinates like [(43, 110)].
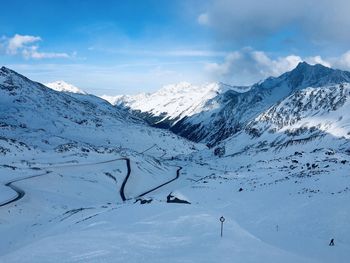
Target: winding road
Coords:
[(20, 192), (122, 187), (159, 186)]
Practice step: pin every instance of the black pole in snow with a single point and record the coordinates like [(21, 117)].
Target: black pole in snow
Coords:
[(222, 220)]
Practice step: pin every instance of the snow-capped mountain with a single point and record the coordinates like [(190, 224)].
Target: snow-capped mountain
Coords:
[(44, 118), (315, 115), (183, 108), (174, 101), (215, 112), (63, 86)]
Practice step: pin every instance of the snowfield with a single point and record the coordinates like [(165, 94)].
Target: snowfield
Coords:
[(75, 214), (84, 181)]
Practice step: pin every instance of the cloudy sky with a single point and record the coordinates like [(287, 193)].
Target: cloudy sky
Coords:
[(125, 47)]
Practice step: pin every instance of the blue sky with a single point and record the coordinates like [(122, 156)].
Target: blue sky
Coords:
[(125, 47)]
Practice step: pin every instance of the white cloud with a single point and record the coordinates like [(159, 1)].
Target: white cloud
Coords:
[(32, 52), (247, 66), (317, 21), (19, 42), (203, 19), (318, 60), (26, 46), (342, 62)]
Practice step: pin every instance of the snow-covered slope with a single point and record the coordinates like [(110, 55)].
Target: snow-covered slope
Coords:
[(183, 108), (63, 86), (41, 117), (309, 117), (174, 101), (78, 149), (281, 180), (215, 112)]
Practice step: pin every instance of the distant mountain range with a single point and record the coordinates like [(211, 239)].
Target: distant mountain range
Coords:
[(306, 103), (214, 112)]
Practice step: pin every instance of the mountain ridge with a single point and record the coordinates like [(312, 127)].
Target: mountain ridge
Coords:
[(44, 118), (228, 108)]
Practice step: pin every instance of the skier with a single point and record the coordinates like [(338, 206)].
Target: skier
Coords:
[(332, 242)]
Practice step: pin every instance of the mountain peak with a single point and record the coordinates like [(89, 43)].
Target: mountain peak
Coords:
[(63, 86), (6, 70), (11, 76), (306, 75), (304, 66)]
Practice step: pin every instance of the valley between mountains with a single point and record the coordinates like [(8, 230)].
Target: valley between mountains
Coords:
[(145, 178)]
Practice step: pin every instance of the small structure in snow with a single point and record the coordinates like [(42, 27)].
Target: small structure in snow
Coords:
[(173, 199), (143, 201)]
